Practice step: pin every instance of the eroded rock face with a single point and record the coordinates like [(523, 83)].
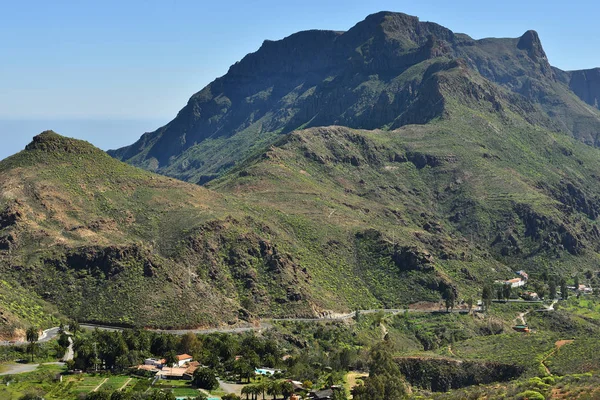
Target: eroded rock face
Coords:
[(412, 259), (100, 261), (550, 234), (265, 274), (10, 216), (586, 85)]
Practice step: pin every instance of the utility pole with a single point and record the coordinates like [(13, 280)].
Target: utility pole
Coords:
[(95, 357)]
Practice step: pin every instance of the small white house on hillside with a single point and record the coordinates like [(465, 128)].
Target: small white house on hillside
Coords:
[(183, 359)]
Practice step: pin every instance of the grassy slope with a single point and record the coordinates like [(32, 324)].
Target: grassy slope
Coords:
[(325, 219), (457, 185), (107, 242)]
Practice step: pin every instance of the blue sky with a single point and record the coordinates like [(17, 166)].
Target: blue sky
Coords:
[(138, 61)]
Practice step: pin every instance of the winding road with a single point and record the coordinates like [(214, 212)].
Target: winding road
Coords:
[(52, 333)]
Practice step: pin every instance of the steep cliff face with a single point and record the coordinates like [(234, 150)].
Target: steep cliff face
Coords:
[(379, 74), (586, 85)]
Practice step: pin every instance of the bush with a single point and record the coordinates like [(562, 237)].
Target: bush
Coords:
[(549, 380), (530, 395)]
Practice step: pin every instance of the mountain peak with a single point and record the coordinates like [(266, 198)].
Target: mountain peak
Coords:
[(50, 141), (530, 41)]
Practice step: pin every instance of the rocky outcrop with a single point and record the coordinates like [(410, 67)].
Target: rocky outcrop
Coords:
[(49, 141), (104, 262), (549, 234), (10, 216)]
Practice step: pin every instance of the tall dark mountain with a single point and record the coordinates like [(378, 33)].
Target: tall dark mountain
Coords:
[(382, 73)]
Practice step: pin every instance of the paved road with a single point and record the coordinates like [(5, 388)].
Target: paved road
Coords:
[(267, 323), (45, 336), (13, 369), (263, 325)]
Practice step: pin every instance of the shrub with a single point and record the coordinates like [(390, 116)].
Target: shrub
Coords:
[(530, 395)]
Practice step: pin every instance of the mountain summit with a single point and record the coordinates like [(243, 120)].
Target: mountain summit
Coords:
[(385, 72)]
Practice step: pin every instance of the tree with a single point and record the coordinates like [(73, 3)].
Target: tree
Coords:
[(564, 291), (101, 395), (384, 381), (244, 368), (339, 395), (274, 389), (32, 335), (287, 389), (551, 289), (506, 291), (171, 358), (160, 395), (231, 396), (74, 327), (576, 282), (63, 340), (486, 296), (189, 344), (31, 396), (470, 303), (449, 298), (205, 378), (499, 293), (248, 390)]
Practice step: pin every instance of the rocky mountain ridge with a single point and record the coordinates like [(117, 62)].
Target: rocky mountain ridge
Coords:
[(375, 75)]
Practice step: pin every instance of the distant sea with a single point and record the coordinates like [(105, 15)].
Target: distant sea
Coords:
[(106, 134)]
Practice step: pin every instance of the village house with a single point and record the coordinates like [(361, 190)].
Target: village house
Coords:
[(171, 373), (298, 387), (325, 394), (584, 289), (266, 371), (154, 362), (515, 282), (531, 296), (523, 274), (183, 359)]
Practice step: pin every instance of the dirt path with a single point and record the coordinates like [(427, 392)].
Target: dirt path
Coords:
[(231, 387), (352, 379), (557, 346), (69, 354), (384, 331), (450, 350), (101, 383), (125, 384)]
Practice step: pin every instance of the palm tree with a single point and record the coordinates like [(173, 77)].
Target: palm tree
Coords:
[(248, 390), (32, 335), (274, 389), (263, 387)]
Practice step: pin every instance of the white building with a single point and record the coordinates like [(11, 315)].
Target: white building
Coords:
[(183, 359), (154, 362)]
